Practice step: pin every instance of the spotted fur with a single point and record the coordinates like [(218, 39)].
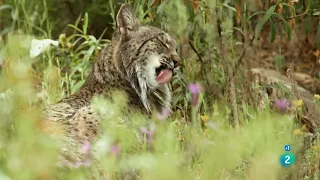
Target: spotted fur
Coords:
[(128, 64)]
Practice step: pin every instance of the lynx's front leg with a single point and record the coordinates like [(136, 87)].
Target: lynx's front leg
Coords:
[(84, 125), (80, 131)]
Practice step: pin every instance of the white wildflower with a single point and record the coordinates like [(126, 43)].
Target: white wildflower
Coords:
[(6, 94), (101, 146), (39, 46)]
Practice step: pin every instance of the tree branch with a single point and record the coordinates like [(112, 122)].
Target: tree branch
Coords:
[(203, 69)]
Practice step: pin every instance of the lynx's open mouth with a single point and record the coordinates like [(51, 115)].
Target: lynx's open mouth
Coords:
[(164, 74)]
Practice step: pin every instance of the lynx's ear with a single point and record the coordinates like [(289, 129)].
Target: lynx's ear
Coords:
[(126, 19)]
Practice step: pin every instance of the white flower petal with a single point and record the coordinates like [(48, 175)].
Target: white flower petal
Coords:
[(39, 46), (50, 41), (102, 146)]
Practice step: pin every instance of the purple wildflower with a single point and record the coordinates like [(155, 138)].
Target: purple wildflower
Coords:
[(76, 165), (195, 90), (282, 104), (149, 133), (86, 148), (115, 149), (164, 114), (72, 165), (87, 163)]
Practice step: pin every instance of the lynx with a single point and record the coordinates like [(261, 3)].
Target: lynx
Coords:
[(140, 60)]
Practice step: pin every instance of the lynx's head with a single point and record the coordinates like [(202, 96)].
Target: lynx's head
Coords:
[(147, 57)]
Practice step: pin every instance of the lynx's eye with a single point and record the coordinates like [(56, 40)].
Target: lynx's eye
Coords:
[(163, 44)]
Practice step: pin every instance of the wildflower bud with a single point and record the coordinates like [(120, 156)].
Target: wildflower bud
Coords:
[(115, 149), (298, 103), (97, 52), (206, 131), (316, 148), (195, 90), (204, 118), (163, 115), (70, 45), (62, 37), (297, 132), (149, 133)]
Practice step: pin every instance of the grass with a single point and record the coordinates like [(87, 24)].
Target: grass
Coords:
[(196, 142)]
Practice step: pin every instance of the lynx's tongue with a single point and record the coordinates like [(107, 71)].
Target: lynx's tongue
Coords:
[(164, 76)]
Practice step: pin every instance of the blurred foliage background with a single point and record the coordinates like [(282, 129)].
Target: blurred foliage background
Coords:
[(237, 135)]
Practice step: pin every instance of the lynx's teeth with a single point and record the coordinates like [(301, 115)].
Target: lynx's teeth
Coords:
[(164, 76)]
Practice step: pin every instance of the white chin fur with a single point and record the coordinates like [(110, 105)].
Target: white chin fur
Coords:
[(149, 80), (153, 63)]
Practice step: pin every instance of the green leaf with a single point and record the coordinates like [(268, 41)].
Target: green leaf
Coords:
[(279, 30), (289, 6), (316, 13), (318, 36), (77, 86), (191, 12), (288, 29), (85, 24), (150, 2), (229, 7), (254, 14), (6, 30), (265, 18), (307, 5), (273, 31), (88, 53), (93, 39), (286, 25), (161, 6), (5, 6), (75, 28), (307, 24), (268, 14), (279, 61)]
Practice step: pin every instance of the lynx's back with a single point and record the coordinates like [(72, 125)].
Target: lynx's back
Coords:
[(140, 61)]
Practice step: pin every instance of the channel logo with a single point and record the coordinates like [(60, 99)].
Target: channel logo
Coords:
[(287, 159)]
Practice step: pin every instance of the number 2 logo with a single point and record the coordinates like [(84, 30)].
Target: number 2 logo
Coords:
[(287, 159)]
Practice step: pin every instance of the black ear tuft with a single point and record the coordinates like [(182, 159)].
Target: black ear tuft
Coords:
[(126, 19)]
